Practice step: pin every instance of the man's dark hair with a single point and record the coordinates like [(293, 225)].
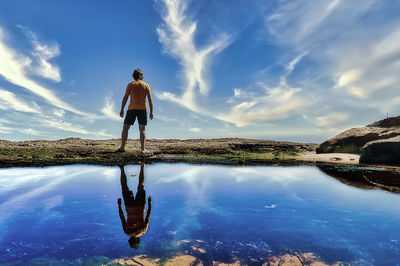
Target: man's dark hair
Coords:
[(134, 242), (137, 74)]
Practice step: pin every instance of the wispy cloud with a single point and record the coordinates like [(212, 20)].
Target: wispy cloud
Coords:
[(59, 112), (177, 35), (271, 105), (14, 65), (17, 67), (31, 131), (195, 129), (9, 100), (334, 122), (69, 127), (108, 110), (41, 54), (5, 129), (370, 73), (356, 66), (307, 23)]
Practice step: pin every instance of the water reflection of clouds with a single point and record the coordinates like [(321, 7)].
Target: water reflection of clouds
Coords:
[(15, 178), (300, 183), (201, 175), (283, 176), (26, 186), (201, 181), (53, 202), (197, 182)]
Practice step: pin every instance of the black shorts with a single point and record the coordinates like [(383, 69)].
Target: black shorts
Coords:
[(130, 200), (132, 114)]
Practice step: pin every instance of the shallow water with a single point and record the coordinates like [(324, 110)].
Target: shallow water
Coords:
[(214, 213)]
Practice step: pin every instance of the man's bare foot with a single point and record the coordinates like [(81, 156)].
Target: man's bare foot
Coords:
[(120, 149), (145, 151)]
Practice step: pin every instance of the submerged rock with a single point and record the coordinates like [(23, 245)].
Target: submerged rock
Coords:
[(376, 143)]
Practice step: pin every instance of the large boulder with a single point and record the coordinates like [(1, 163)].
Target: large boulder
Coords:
[(383, 151), (376, 143)]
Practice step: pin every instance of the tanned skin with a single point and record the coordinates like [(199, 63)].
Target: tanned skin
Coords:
[(142, 128)]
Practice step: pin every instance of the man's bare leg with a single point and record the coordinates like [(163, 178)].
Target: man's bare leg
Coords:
[(141, 178), (124, 136), (142, 130), (124, 184)]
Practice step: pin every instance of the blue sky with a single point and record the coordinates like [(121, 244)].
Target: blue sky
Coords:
[(300, 70)]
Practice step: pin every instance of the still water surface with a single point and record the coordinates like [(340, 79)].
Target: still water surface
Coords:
[(215, 213)]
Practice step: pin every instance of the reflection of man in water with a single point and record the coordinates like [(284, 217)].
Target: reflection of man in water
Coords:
[(135, 225)]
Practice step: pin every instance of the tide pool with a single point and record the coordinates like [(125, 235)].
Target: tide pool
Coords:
[(213, 213)]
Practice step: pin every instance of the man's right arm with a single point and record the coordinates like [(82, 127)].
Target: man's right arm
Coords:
[(148, 211), (124, 100)]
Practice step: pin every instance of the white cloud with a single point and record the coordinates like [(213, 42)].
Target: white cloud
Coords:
[(237, 92), (273, 104), (349, 77), (13, 67), (108, 110), (354, 56), (371, 72), (9, 100), (195, 129), (43, 53), (5, 129), (177, 35), (307, 23), (69, 127), (334, 122), (59, 112), (292, 64), (31, 131), (276, 104)]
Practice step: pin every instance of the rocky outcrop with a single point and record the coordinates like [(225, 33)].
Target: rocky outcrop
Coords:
[(384, 151), (376, 143)]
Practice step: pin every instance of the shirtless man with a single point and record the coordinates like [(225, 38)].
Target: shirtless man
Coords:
[(138, 91)]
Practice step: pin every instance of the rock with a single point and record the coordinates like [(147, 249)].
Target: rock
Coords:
[(365, 177), (385, 151), (376, 143)]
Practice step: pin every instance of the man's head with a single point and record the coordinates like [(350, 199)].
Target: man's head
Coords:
[(134, 242), (137, 74)]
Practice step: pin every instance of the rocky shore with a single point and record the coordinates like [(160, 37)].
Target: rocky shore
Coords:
[(218, 151), (230, 151)]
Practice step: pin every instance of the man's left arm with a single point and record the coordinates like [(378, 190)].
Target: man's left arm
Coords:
[(121, 215), (150, 102)]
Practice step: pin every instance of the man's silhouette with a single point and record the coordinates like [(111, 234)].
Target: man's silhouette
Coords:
[(135, 225), (138, 91)]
